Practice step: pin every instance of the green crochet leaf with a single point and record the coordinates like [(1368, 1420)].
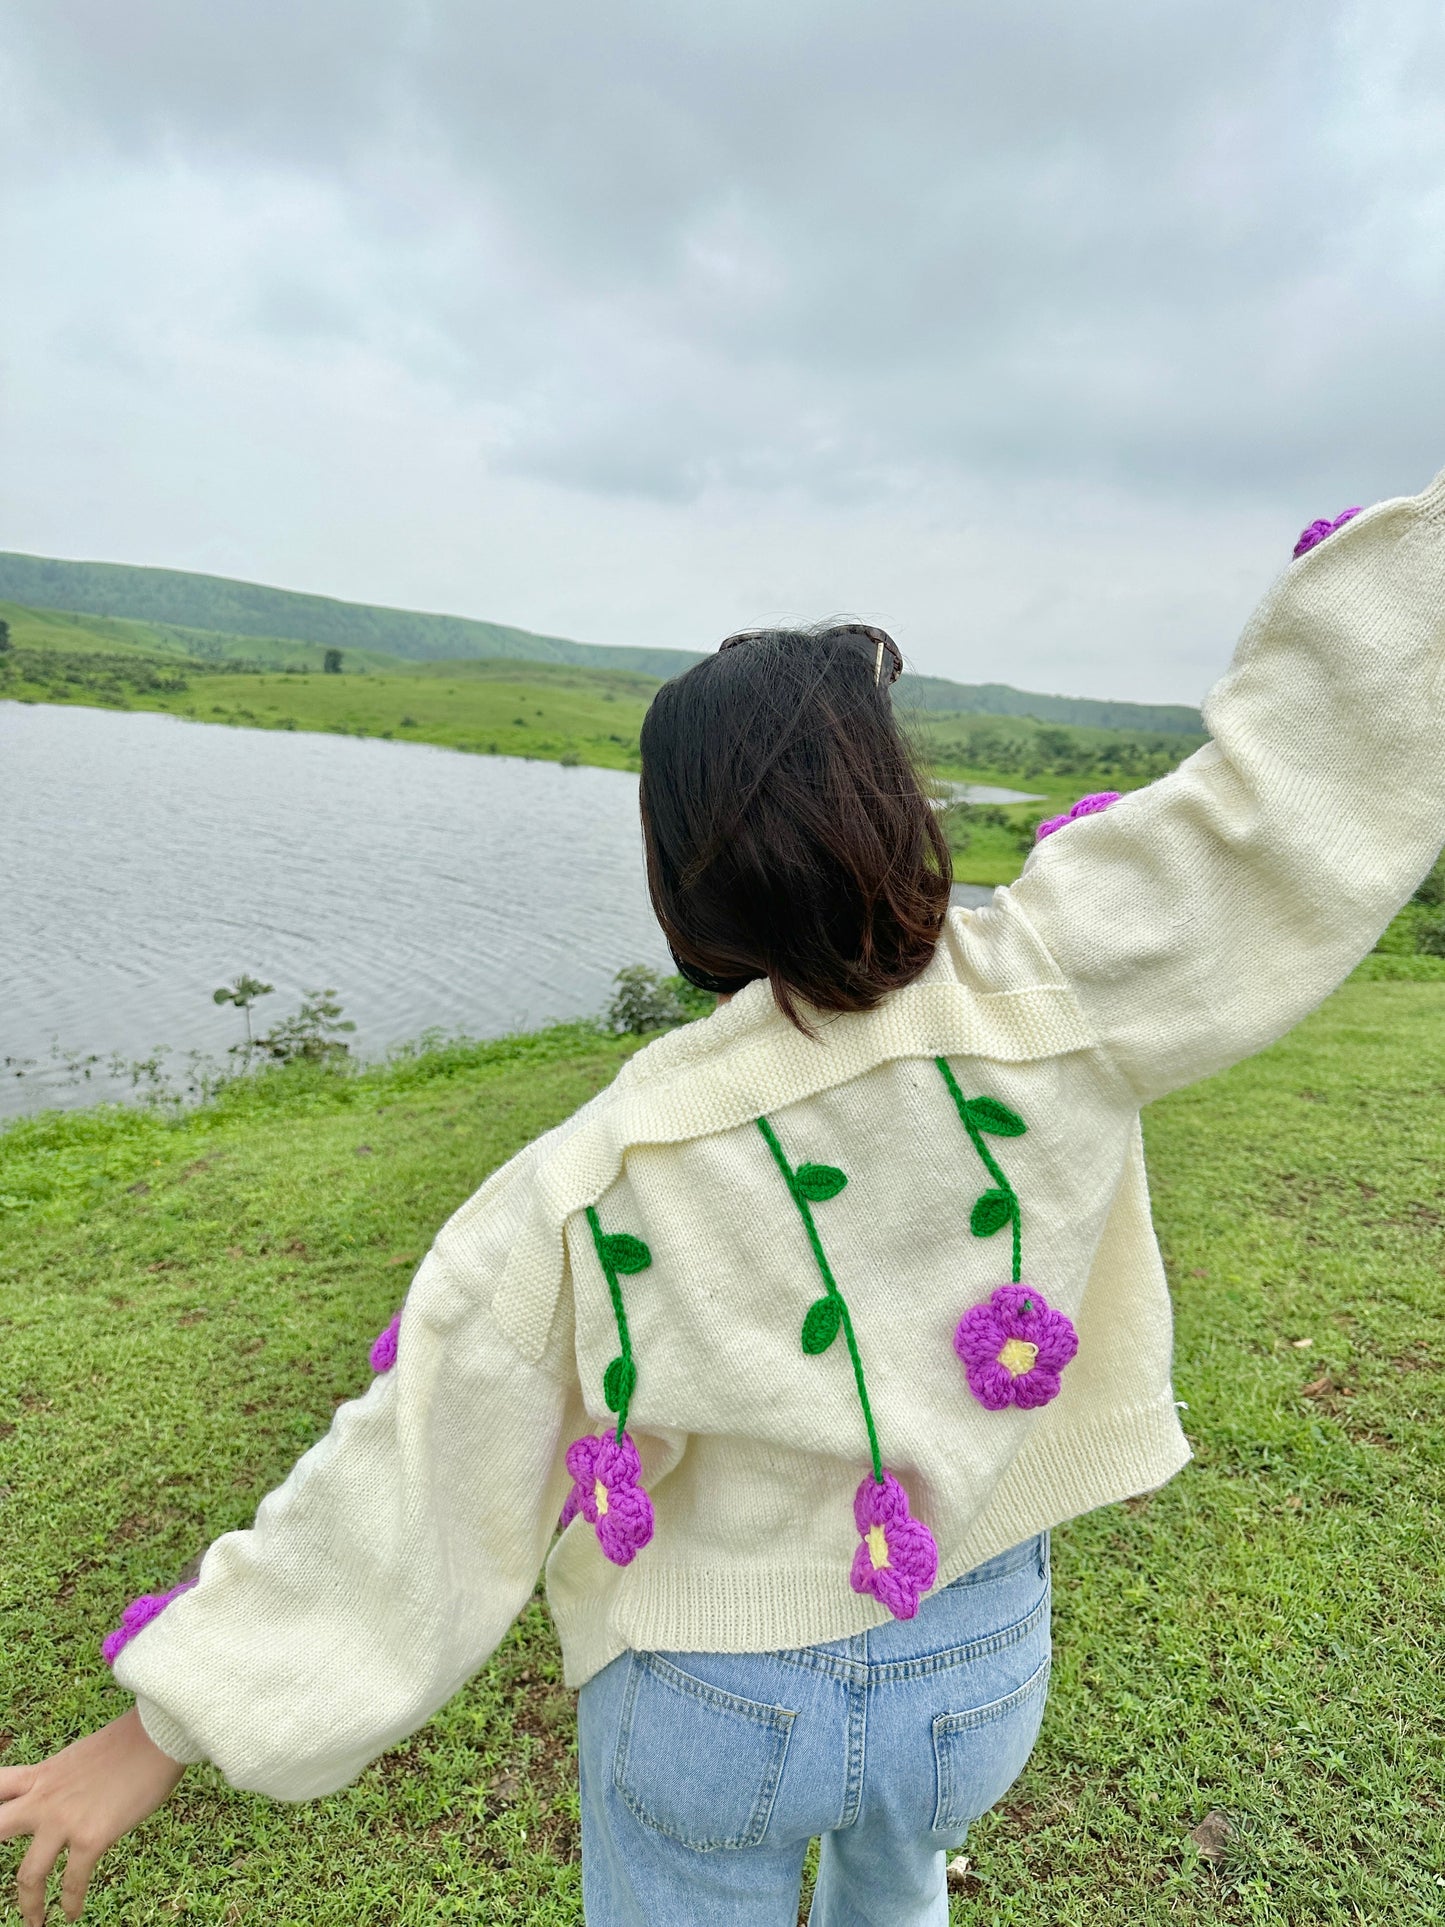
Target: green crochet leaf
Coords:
[(991, 1213), (619, 1383), (820, 1181), (989, 1115), (624, 1252), (820, 1327)]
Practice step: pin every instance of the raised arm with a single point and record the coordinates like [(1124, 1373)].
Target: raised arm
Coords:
[(1201, 917)]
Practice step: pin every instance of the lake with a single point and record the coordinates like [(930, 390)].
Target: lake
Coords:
[(144, 861)]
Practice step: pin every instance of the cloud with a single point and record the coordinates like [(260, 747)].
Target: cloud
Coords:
[(747, 300)]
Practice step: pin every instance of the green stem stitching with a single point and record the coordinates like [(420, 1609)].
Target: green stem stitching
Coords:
[(623, 1336), (990, 1163), (830, 1284)]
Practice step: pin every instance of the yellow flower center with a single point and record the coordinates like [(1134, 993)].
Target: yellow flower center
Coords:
[(1018, 1356), (877, 1546), (599, 1492)]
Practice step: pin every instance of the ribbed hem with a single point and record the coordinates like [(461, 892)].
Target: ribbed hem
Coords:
[(768, 1609), (167, 1733)]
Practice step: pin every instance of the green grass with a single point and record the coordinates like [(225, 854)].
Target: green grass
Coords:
[(496, 707), (499, 708), (183, 1303)]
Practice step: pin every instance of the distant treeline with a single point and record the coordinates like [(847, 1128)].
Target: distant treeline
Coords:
[(1017, 747), (998, 699)]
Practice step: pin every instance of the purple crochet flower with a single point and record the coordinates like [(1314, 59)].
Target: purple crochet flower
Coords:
[(897, 1561), (138, 1614), (1013, 1348), (383, 1350), (1317, 531), (605, 1490), (1086, 806)]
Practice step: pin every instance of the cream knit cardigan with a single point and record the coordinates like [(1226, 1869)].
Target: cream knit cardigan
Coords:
[(1142, 948)]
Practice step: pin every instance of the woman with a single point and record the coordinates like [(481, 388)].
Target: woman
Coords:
[(815, 1321)]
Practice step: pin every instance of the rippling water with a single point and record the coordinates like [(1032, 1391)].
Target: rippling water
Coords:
[(145, 860)]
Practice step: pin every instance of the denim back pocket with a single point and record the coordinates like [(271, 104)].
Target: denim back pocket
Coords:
[(696, 1763), (979, 1754)]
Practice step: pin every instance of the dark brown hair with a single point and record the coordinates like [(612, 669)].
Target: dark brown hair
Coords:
[(787, 833)]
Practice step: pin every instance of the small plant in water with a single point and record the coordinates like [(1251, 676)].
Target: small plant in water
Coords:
[(312, 1035), (243, 993)]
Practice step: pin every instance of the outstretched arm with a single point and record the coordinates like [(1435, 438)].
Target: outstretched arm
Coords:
[(1198, 919), (79, 1802), (384, 1570), (375, 1580)]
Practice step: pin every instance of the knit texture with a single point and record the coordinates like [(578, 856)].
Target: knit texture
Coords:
[(1153, 943)]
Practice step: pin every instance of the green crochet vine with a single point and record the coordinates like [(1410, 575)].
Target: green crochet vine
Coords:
[(618, 1251), (813, 1184), (999, 1205)]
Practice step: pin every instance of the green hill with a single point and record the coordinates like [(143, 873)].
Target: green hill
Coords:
[(65, 632), (178, 599), (214, 618)]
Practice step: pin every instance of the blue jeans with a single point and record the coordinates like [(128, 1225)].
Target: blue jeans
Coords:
[(705, 1775)]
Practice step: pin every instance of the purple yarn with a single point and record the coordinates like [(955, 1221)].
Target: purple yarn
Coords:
[(624, 1518), (909, 1555), (1092, 804), (1014, 1314), (1086, 806), (383, 1350), (138, 1615), (1317, 531)]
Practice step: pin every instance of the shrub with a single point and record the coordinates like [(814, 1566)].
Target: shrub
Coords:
[(1432, 889), (644, 1001)]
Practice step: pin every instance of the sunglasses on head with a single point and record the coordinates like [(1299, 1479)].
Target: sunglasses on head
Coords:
[(882, 642)]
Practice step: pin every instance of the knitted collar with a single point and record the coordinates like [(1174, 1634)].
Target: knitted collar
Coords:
[(744, 1060), (747, 1017)]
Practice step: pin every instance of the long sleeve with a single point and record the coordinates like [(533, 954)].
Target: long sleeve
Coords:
[(1198, 919), (379, 1576)]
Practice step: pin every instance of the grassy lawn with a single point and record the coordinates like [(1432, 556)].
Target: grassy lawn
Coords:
[(496, 708), (183, 1304)]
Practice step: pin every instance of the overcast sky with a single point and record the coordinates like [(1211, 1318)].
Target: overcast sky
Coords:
[(1035, 332)]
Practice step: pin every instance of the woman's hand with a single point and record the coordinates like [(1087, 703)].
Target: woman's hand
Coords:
[(81, 1801)]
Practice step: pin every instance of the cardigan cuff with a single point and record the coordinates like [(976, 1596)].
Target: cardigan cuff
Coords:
[(167, 1733)]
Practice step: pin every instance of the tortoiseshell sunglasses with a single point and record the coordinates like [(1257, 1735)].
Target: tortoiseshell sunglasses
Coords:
[(883, 645)]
